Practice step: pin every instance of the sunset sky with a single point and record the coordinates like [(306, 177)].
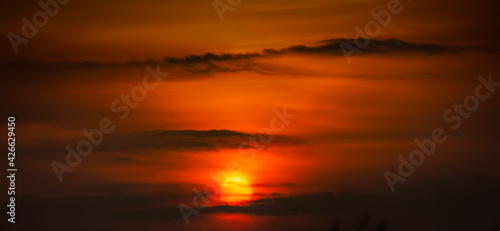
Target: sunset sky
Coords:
[(211, 86)]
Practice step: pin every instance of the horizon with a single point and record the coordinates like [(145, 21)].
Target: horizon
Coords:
[(251, 115)]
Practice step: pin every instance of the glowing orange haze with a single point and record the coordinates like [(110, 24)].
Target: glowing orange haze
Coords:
[(344, 122)]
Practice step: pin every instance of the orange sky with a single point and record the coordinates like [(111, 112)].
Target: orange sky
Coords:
[(352, 120)]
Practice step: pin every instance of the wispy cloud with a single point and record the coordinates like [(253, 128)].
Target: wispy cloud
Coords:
[(210, 140), (211, 62)]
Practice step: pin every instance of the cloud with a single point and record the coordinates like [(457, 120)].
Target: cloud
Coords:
[(386, 47), (192, 59), (209, 140), (468, 202), (274, 185), (331, 47), (236, 62), (426, 202), (124, 147), (210, 62), (321, 203), (180, 139)]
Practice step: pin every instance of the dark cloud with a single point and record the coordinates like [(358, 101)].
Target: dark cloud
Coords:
[(171, 140), (332, 47), (180, 139), (191, 59), (211, 140), (460, 204), (434, 202), (210, 62), (274, 185), (389, 46), (327, 202)]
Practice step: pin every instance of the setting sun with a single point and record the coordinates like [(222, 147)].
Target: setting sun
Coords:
[(235, 190), (250, 115)]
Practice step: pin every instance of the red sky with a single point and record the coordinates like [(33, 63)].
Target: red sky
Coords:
[(353, 119)]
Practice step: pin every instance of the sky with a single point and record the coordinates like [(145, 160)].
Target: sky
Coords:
[(340, 115)]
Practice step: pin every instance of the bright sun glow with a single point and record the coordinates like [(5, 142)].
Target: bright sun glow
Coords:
[(235, 190)]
